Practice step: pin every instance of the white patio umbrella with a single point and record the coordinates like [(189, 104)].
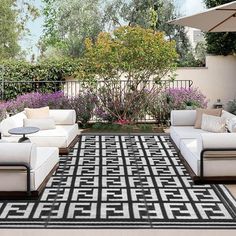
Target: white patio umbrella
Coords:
[(218, 19)]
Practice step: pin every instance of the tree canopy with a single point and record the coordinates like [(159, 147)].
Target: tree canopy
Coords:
[(9, 30), (69, 23), (135, 54), (220, 43), (13, 18), (152, 14)]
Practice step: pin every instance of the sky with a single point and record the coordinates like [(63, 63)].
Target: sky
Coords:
[(189, 7), (29, 43)]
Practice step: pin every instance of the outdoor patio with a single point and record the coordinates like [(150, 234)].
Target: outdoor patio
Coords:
[(123, 123)]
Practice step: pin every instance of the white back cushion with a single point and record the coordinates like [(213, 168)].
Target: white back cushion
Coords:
[(42, 124), (183, 117), (63, 117)]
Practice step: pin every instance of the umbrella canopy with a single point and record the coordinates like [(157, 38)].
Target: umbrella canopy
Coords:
[(218, 19)]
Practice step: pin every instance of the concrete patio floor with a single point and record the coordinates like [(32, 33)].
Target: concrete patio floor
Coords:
[(232, 189), (92, 232)]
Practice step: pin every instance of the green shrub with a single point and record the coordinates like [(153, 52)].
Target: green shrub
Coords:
[(49, 70)]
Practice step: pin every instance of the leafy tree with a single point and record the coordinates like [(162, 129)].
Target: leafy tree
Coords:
[(136, 54), (9, 32), (68, 23), (152, 14), (220, 43), (13, 18)]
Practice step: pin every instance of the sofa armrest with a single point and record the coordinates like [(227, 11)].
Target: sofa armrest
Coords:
[(21, 165), (18, 153), (216, 145), (183, 117), (63, 117), (217, 141)]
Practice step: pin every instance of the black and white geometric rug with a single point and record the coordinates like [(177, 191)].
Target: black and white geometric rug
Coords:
[(123, 181)]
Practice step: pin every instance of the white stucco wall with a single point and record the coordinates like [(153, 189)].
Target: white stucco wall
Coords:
[(216, 80)]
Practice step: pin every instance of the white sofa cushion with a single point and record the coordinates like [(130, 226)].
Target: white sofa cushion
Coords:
[(47, 158), (15, 180), (42, 124), (213, 123), (188, 149), (63, 117), (178, 133), (60, 137), (183, 117)]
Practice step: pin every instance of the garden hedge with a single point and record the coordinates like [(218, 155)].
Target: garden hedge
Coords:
[(48, 70)]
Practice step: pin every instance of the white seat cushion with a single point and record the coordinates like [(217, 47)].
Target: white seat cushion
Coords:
[(59, 137), (212, 166), (178, 133), (188, 149), (47, 158), (15, 180)]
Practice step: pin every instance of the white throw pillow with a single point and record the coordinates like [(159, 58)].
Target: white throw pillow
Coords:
[(37, 113), (231, 125), (213, 124), (42, 124)]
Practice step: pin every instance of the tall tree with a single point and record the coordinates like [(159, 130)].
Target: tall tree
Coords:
[(9, 31), (151, 14), (69, 22), (220, 43), (13, 18)]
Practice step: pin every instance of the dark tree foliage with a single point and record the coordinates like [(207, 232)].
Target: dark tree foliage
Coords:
[(220, 43)]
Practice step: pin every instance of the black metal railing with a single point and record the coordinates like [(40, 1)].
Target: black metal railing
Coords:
[(11, 89)]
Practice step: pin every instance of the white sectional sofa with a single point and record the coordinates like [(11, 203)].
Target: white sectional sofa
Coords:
[(25, 169), (208, 156), (64, 135)]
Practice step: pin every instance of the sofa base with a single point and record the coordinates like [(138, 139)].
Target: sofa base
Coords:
[(12, 195), (65, 151), (206, 179)]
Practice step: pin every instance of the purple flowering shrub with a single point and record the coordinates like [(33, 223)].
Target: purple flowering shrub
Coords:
[(175, 99), (121, 108), (180, 98), (83, 104)]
